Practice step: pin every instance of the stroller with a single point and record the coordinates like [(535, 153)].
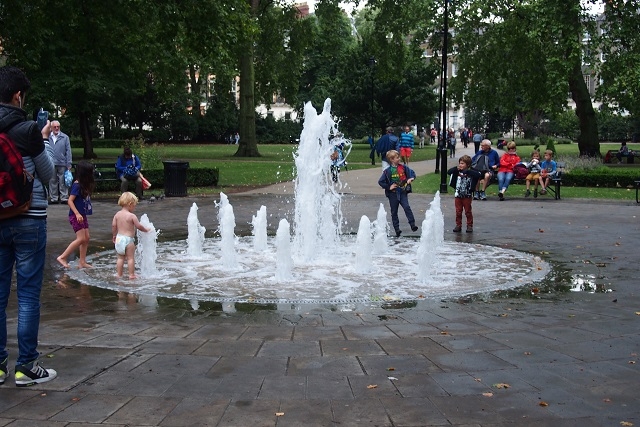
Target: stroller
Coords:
[(338, 161)]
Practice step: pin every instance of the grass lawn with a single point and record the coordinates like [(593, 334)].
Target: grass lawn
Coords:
[(276, 165)]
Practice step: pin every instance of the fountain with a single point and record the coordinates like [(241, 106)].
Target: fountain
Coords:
[(313, 261)]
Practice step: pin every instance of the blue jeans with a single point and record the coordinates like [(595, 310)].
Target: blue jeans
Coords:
[(23, 243), (395, 202), (504, 179)]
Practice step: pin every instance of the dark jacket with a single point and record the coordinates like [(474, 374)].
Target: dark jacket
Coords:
[(36, 154), (385, 180), (387, 142)]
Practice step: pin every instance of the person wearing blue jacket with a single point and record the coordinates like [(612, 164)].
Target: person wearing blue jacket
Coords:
[(128, 167), (486, 161), (396, 181)]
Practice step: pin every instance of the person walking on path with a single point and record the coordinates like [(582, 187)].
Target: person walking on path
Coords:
[(386, 142), (477, 139), (23, 238), (396, 181), (406, 145), (59, 141)]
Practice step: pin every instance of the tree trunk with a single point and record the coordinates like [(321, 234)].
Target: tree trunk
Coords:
[(588, 142), (248, 145), (85, 132)]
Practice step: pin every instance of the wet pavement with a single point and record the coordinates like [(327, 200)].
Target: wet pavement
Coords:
[(543, 355)]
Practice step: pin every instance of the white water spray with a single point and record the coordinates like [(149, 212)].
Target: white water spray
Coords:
[(283, 254), (195, 238), (227, 224), (146, 249), (364, 246), (259, 229), (380, 228)]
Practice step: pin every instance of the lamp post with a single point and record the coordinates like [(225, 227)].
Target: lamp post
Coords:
[(372, 63), (442, 137)]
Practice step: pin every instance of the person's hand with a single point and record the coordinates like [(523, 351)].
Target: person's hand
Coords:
[(46, 130), (393, 186), (410, 180), (79, 218)]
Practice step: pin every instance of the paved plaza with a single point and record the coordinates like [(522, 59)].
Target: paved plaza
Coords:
[(547, 356)]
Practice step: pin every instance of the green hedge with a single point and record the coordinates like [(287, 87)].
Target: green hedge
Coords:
[(200, 177), (618, 177)]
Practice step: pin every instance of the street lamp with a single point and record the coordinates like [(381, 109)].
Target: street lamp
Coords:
[(442, 135), (372, 64)]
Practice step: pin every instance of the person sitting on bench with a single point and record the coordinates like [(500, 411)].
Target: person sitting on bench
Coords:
[(128, 167)]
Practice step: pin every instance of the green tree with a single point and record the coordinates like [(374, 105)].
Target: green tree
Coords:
[(532, 82), (620, 45), (270, 62)]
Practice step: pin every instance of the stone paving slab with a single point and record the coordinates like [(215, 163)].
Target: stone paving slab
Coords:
[(121, 362)]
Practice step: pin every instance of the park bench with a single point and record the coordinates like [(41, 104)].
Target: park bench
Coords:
[(610, 157), (637, 184), (554, 185), (103, 171)]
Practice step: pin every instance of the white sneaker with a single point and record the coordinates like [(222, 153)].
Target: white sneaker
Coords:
[(32, 373)]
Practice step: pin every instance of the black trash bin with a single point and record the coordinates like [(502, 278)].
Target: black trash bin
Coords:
[(175, 178)]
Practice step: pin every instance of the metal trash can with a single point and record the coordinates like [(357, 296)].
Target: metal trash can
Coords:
[(175, 178)]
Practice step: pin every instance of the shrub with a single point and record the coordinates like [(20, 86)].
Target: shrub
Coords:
[(150, 155)]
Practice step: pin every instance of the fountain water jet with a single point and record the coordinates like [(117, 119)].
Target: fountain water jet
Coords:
[(283, 256), (364, 246), (259, 224), (147, 248), (380, 227), (317, 263), (227, 223), (195, 239)]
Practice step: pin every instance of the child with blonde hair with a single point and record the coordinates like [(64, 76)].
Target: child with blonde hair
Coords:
[(123, 228), (534, 174), (548, 170)]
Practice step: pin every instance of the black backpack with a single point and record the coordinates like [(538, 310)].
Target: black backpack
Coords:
[(16, 183)]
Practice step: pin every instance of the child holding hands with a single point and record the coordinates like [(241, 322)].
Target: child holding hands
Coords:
[(123, 228)]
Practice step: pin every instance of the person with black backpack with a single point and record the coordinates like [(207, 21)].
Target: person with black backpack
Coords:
[(23, 231)]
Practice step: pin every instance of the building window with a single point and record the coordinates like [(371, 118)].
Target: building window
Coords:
[(587, 81)]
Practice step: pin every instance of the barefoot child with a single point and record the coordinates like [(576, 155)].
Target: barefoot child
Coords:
[(79, 207), (123, 228)]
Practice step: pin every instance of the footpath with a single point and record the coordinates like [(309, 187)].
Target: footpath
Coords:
[(562, 353)]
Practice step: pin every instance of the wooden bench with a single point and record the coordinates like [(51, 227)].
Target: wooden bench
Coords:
[(553, 187), (612, 154), (637, 184), (103, 171)]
